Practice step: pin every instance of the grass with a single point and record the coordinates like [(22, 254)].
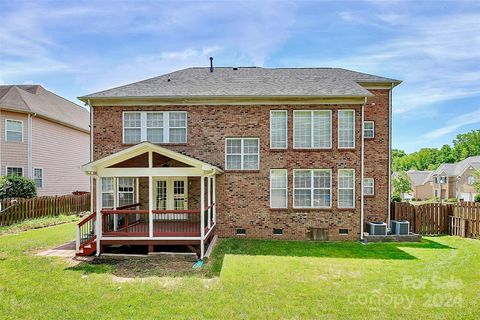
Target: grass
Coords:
[(38, 223), (435, 279)]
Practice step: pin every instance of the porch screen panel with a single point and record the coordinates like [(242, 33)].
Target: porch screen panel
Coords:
[(346, 129), (132, 127), (177, 127), (107, 193), (126, 191), (155, 127)]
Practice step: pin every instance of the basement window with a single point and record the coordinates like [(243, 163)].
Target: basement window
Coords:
[(343, 232), (241, 232), (278, 232)]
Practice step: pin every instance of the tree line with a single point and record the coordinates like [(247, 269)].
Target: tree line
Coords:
[(463, 146)]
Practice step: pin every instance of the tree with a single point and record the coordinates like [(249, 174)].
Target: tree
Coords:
[(401, 184), (17, 187), (476, 184), (464, 145)]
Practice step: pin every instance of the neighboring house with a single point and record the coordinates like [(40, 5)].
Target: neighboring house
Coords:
[(44, 137), (456, 180), (422, 184), (249, 152)]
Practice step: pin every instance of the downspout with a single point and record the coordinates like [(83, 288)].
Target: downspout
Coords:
[(361, 175), (91, 153), (389, 153)]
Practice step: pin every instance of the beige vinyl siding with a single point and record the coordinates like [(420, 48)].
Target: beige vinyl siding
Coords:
[(60, 151), (13, 154)]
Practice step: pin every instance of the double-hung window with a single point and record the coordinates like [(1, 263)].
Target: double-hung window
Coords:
[(13, 130), (346, 129), (15, 171), (155, 126), (312, 129), (242, 153), (107, 193), (368, 186), (369, 129), (278, 188), (38, 177), (346, 188), (125, 191), (312, 188), (278, 129)]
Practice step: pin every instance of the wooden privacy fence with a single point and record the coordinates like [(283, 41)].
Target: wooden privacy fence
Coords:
[(462, 219), (17, 210)]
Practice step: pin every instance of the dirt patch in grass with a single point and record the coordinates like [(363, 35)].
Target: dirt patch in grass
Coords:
[(143, 267)]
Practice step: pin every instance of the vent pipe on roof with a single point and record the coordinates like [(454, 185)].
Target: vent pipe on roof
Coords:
[(211, 64)]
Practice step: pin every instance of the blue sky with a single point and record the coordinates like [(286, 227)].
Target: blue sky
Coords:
[(78, 47)]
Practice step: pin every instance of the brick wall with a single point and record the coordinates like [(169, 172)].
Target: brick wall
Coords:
[(376, 156), (243, 197)]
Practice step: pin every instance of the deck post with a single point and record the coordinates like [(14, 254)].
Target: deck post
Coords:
[(99, 213), (214, 200), (115, 202), (150, 206), (202, 217), (209, 197)]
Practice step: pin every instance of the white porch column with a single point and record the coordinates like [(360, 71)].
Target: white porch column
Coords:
[(150, 206), (214, 199), (115, 202), (209, 197), (202, 217), (98, 206)]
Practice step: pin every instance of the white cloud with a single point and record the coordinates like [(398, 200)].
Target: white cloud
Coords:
[(454, 124)]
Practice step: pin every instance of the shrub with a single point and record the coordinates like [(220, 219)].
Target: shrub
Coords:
[(17, 187), (452, 200), (396, 198), (477, 198)]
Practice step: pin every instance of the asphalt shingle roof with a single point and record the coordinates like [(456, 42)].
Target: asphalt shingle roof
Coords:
[(248, 81), (36, 99)]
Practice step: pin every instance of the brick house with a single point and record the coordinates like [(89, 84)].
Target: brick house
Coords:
[(43, 137), (240, 152)]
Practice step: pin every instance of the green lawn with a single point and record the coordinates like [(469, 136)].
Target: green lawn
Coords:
[(436, 279)]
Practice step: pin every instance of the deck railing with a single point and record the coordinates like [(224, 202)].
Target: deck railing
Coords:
[(125, 222), (86, 231)]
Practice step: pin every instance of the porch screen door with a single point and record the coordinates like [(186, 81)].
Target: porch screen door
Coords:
[(171, 194)]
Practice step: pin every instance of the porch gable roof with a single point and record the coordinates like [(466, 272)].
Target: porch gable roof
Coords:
[(144, 147)]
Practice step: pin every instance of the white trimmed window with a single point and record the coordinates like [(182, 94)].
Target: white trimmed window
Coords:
[(470, 180), (312, 129), (278, 129), (154, 126), (13, 130), (107, 193), (368, 186), (38, 177), (278, 188), (346, 129), (242, 153), (15, 171), (312, 188), (368, 129), (126, 191), (346, 188)]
